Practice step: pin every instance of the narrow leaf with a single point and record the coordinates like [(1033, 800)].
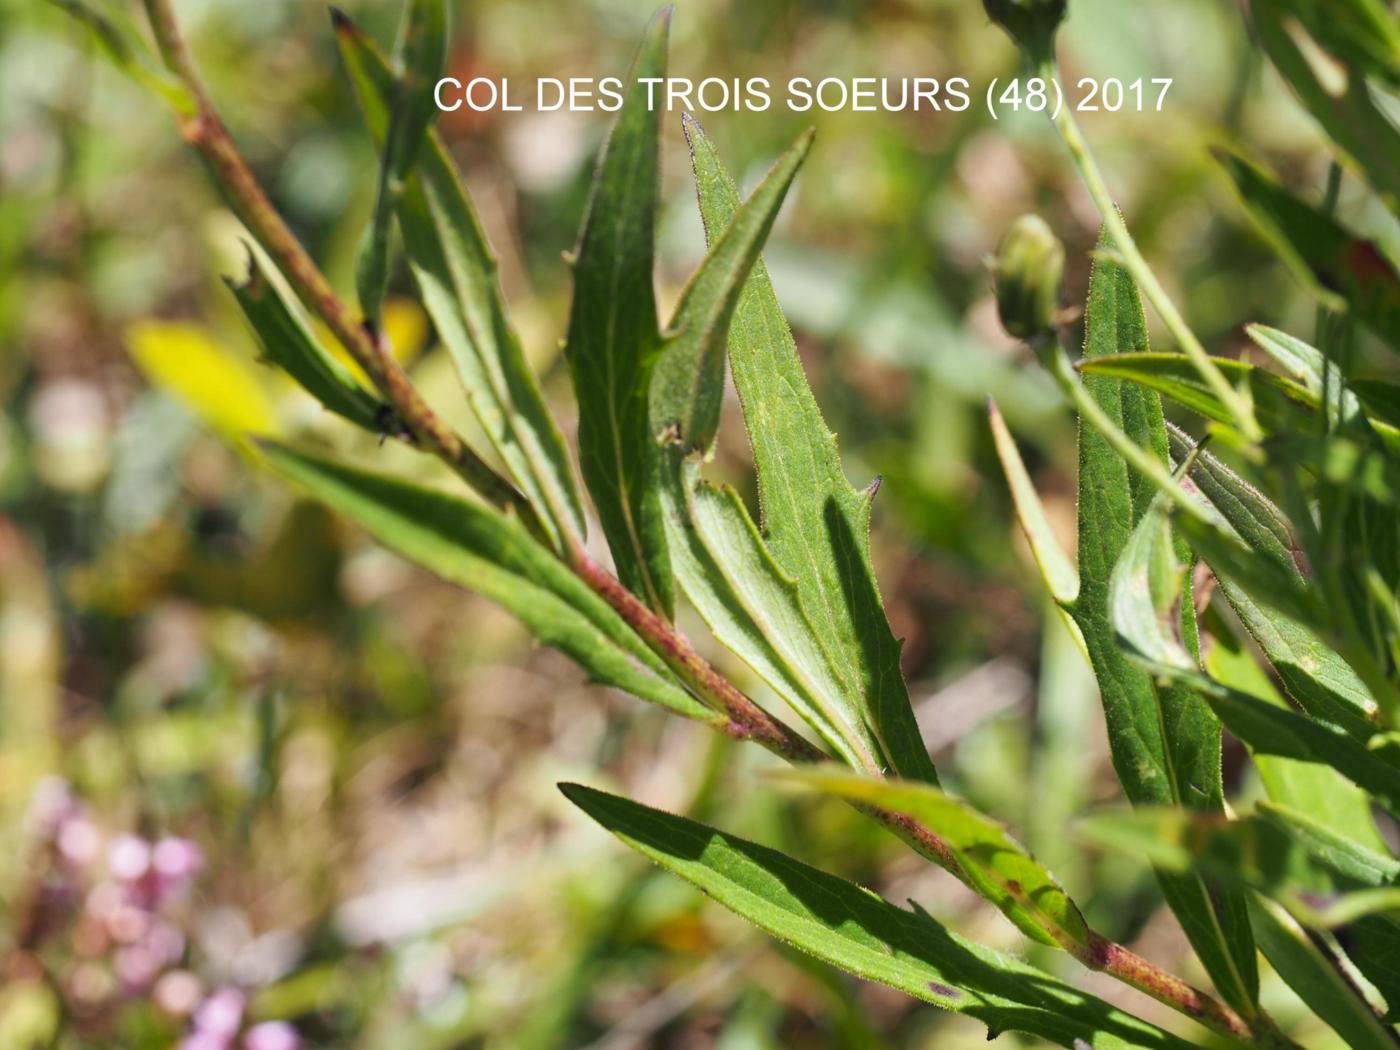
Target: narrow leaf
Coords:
[(816, 525), (1164, 740), (1364, 34), (1316, 978), (456, 272), (849, 927), (1055, 566), (614, 336), (420, 60), (288, 342), (996, 865), (1347, 111), (484, 550), (1348, 272)]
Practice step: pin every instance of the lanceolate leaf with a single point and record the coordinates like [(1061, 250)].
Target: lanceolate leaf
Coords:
[(420, 62), (752, 607), (996, 865), (288, 343), (1313, 674), (848, 926), (1316, 978), (687, 388), (1349, 114), (1164, 740), (1319, 791), (484, 550), (614, 336), (456, 272), (1364, 34), (1350, 272), (1145, 591), (816, 525)]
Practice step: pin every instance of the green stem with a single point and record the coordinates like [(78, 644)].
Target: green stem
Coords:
[(1141, 272)]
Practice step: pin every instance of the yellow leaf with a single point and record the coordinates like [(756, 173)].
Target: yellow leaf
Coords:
[(221, 389)]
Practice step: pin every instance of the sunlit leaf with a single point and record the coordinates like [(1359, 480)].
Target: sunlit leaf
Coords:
[(852, 928), (816, 525), (995, 864)]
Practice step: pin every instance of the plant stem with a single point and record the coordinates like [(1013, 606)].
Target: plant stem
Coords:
[(743, 718), (205, 131), (1122, 238)]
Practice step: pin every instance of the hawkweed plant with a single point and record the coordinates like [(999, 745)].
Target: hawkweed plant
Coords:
[(1293, 525)]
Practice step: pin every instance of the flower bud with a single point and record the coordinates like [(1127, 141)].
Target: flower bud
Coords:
[(1031, 23), (1028, 271)]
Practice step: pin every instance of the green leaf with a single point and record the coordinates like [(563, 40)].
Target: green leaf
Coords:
[(1347, 271), (687, 388), (1251, 852), (1381, 399), (420, 60), (1281, 404), (1347, 112), (614, 337), (1316, 978), (1313, 789), (1275, 731), (482, 549), (849, 927), (1313, 674), (1059, 573), (126, 47), (753, 608), (1164, 741), (994, 863), (288, 342), (1364, 34), (456, 272), (816, 525), (1373, 942), (1145, 590)]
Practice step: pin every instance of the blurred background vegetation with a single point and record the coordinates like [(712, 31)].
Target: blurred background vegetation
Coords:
[(254, 767)]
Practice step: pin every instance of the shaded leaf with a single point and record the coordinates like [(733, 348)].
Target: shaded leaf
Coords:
[(1350, 272), (1346, 111), (816, 525), (420, 59), (1362, 33), (482, 549), (456, 272), (614, 337), (854, 929), (288, 343), (996, 865)]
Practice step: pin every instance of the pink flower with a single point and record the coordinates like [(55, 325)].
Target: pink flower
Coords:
[(176, 862), (272, 1035), (221, 1014), (129, 858)]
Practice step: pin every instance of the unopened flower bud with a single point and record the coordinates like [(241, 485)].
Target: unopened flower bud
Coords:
[(1031, 23), (1028, 271)]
